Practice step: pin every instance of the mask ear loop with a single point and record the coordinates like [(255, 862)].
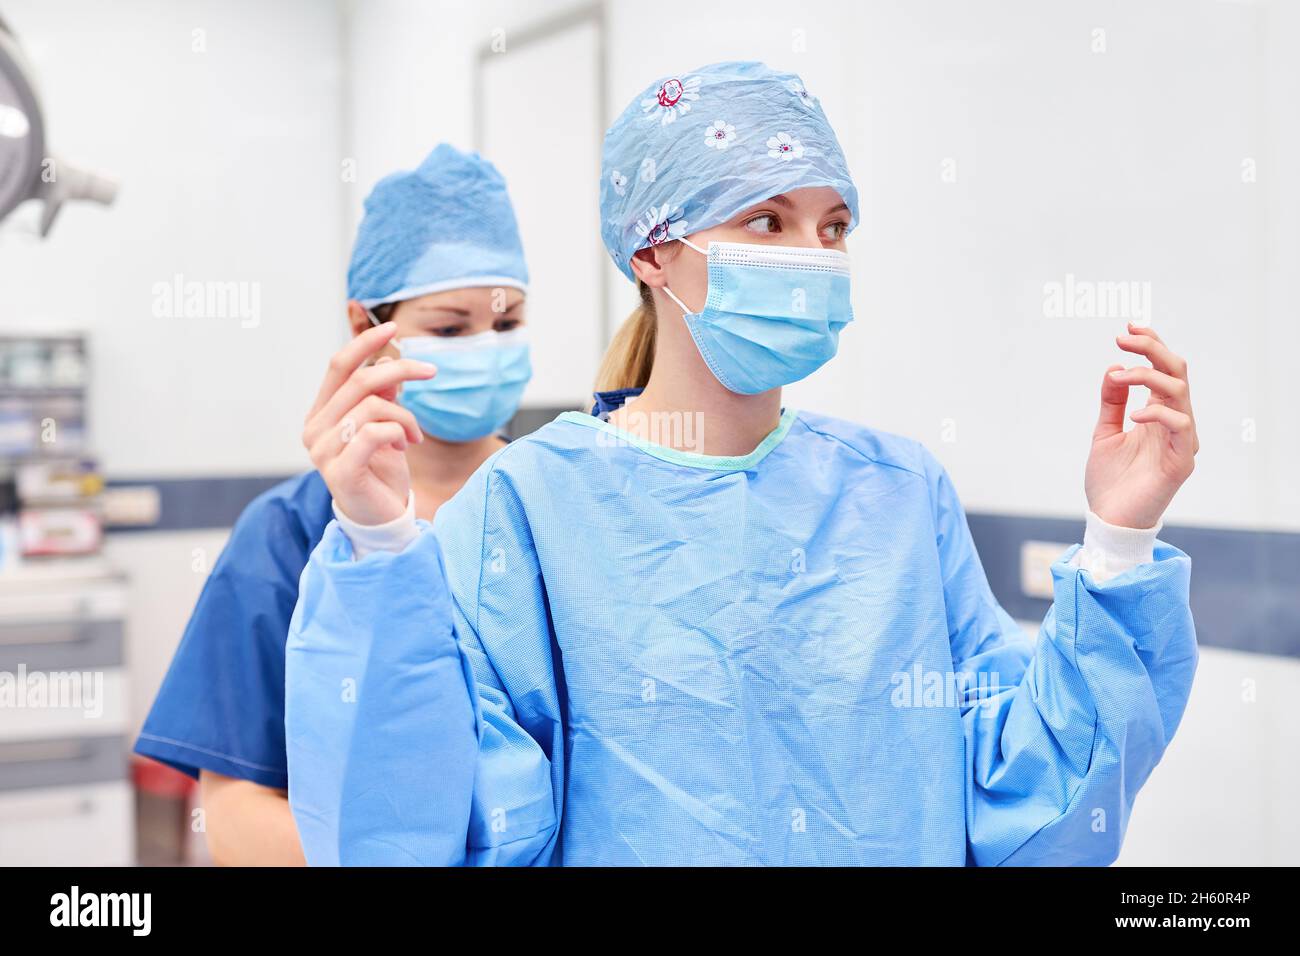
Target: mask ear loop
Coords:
[(374, 321), (680, 304)]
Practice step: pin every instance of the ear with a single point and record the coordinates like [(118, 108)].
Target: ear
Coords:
[(648, 265), (358, 318)]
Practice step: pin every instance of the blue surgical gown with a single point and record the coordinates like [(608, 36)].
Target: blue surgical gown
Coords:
[(221, 705), (609, 652)]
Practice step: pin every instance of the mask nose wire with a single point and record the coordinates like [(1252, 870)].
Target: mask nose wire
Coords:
[(680, 304)]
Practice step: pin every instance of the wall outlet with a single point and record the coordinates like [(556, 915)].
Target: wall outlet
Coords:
[(1036, 558)]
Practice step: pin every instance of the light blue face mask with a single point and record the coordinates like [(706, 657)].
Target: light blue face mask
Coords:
[(478, 386), (773, 313)]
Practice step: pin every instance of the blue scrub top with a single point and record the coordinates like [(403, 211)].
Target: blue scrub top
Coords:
[(221, 705)]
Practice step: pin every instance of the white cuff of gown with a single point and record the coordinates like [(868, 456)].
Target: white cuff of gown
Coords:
[(1109, 550), (392, 535)]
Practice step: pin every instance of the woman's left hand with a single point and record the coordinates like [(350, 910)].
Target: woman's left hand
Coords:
[(1132, 475)]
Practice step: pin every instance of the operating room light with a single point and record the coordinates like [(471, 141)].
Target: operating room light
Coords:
[(26, 170)]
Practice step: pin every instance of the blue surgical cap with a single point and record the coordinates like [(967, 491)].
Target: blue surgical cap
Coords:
[(448, 224), (697, 148)]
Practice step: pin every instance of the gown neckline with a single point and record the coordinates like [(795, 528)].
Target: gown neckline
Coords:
[(688, 458)]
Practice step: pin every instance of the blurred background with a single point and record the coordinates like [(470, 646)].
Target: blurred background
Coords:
[(1012, 156)]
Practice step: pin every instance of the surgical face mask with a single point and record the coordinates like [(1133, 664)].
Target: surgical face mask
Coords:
[(773, 313), (478, 386)]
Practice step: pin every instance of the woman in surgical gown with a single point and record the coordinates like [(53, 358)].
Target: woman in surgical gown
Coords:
[(712, 629), (438, 262)]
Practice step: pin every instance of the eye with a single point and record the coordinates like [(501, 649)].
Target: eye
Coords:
[(764, 222), (505, 325), (447, 331), (835, 231)]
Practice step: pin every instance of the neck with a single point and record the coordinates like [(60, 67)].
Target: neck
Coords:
[(721, 422), (439, 468)]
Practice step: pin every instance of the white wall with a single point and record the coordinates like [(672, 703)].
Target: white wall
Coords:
[(566, 258), (410, 86), (1123, 165), (407, 67), (1224, 794), (166, 572), (229, 163)]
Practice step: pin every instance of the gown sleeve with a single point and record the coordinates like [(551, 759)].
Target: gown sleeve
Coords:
[(1061, 733), (404, 748)]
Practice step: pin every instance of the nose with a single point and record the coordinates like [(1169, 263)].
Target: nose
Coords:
[(804, 234)]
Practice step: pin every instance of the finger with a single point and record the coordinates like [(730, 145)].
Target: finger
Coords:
[(1170, 390), (1135, 329), (1114, 399), (372, 409), (331, 442), (1182, 431), (355, 458), (350, 358), (1160, 355), (381, 379), (388, 393)]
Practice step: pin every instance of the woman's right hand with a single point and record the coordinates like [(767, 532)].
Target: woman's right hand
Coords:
[(356, 432)]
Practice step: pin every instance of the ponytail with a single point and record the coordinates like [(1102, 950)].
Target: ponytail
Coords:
[(631, 355)]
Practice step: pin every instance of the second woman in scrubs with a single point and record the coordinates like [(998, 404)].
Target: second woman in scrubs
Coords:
[(438, 267), (772, 644)]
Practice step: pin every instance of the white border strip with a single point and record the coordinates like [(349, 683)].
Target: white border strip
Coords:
[(467, 282)]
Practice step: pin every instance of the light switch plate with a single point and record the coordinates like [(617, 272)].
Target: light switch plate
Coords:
[(131, 506)]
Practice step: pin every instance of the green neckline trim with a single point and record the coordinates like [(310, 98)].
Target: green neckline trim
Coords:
[(689, 458)]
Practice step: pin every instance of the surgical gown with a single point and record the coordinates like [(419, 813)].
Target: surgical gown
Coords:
[(610, 652)]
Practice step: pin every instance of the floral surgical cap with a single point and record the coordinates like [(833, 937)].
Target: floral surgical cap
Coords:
[(447, 224), (697, 148)]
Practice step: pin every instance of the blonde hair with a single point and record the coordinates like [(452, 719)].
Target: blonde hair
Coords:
[(631, 355)]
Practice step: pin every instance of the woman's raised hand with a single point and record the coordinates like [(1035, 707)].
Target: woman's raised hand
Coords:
[(356, 432), (1132, 475)]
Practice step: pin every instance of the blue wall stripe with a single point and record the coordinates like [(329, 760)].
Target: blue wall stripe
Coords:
[(1245, 584), (188, 504)]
